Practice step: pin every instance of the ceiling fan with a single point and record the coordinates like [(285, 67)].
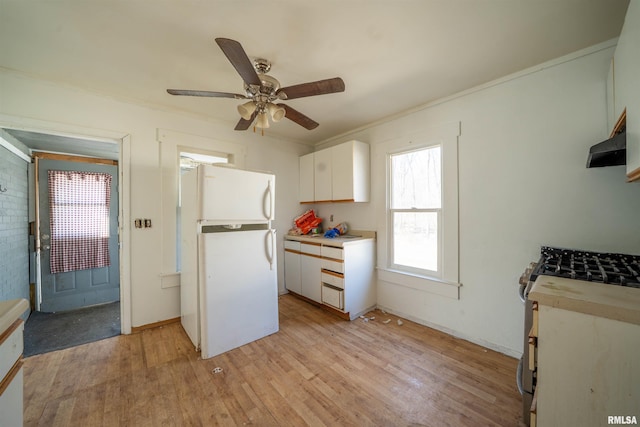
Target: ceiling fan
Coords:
[(263, 91)]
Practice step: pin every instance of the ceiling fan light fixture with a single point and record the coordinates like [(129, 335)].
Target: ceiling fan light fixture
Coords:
[(276, 112), (263, 120), (247, 109)]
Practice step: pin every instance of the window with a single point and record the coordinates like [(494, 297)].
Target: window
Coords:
[(419, 216), (190, 161), (415, 210), (79, 220)]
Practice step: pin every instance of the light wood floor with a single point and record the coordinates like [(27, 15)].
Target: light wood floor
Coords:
[(318, 370)]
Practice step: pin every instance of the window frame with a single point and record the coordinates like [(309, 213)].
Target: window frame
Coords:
[(447, 282), (391, 211)]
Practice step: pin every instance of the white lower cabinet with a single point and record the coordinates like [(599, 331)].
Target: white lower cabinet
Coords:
[(292, 278), (310, 268), (11, 375), (302, 265), (338, 277), (588, 369)]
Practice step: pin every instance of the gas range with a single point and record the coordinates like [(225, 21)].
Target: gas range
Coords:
[(609, 268)]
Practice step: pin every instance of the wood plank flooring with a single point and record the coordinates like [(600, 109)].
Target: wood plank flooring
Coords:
[(318, 370)]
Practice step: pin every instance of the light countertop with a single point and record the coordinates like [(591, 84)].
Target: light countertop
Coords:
[(10, 311), (352, 237), (598, 299)]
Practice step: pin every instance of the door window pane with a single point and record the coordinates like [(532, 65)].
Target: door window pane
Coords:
[(79, 220)]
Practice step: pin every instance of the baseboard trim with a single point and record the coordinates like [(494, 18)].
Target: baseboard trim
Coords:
[(136, 329)]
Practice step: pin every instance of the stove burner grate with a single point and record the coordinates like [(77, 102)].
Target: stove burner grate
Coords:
[(609, 268)]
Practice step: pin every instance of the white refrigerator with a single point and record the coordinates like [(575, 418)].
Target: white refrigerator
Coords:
[(228, 278)]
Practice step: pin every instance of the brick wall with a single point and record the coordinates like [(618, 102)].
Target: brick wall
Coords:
[(14, 227)]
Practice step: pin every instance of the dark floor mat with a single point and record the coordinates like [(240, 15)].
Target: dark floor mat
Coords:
[(45, 332)]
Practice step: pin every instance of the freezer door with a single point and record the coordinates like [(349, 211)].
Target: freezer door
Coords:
[(236, 195), (239, 289)]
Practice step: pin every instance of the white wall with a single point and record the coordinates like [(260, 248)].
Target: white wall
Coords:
[(40, 106), (522, 184), (627, 90)]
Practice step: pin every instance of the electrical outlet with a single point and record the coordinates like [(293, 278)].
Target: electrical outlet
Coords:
[(138, 223), (147, 223)]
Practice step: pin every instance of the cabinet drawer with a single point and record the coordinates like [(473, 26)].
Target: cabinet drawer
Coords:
[(333, 297), (333, 279), (11, 346), (291, 244), (331, 265), (308, 248), (331, 252)]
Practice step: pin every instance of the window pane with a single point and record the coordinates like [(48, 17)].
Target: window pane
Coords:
[(416, 179), (415, 240)]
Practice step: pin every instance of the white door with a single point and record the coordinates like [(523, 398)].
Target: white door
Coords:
[(249, 197), (239, 289)]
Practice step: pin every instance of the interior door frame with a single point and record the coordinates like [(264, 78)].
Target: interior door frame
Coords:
[(39, 156), (124, 194)]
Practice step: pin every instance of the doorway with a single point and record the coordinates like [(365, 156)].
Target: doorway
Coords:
[(78, 290), (69, 148), (77, 209)]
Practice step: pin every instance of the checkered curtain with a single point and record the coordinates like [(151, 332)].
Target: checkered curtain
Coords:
[(79, 220)]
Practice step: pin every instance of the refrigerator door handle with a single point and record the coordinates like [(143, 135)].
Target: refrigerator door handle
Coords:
[(268, 198), (270, 241)]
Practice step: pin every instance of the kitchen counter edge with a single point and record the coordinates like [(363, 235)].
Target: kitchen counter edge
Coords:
[(338, 242), (598, 299), (10, 311)]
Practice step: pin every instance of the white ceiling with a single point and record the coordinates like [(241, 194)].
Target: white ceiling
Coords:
[(393, 55)]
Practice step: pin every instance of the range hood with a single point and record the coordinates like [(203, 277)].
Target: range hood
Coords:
[(612, 152)]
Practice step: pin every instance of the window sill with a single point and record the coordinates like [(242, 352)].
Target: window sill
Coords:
[(420, 283)]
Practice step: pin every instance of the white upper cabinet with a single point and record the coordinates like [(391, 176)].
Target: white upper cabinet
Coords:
[(336, 174), (627, 88), (350, 172), (322, 175), (307, 190)]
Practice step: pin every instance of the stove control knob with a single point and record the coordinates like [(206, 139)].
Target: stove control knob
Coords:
[(524, 278)]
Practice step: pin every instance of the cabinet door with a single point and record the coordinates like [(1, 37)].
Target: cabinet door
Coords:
[(350, 171), (306, 178), (322, 178), (310, 272), (292, 272), (342, 171)]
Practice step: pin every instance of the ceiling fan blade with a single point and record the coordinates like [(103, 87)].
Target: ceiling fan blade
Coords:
[(205, 93), (298, 117), (239, 59), (320, 87), (244, 124)]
